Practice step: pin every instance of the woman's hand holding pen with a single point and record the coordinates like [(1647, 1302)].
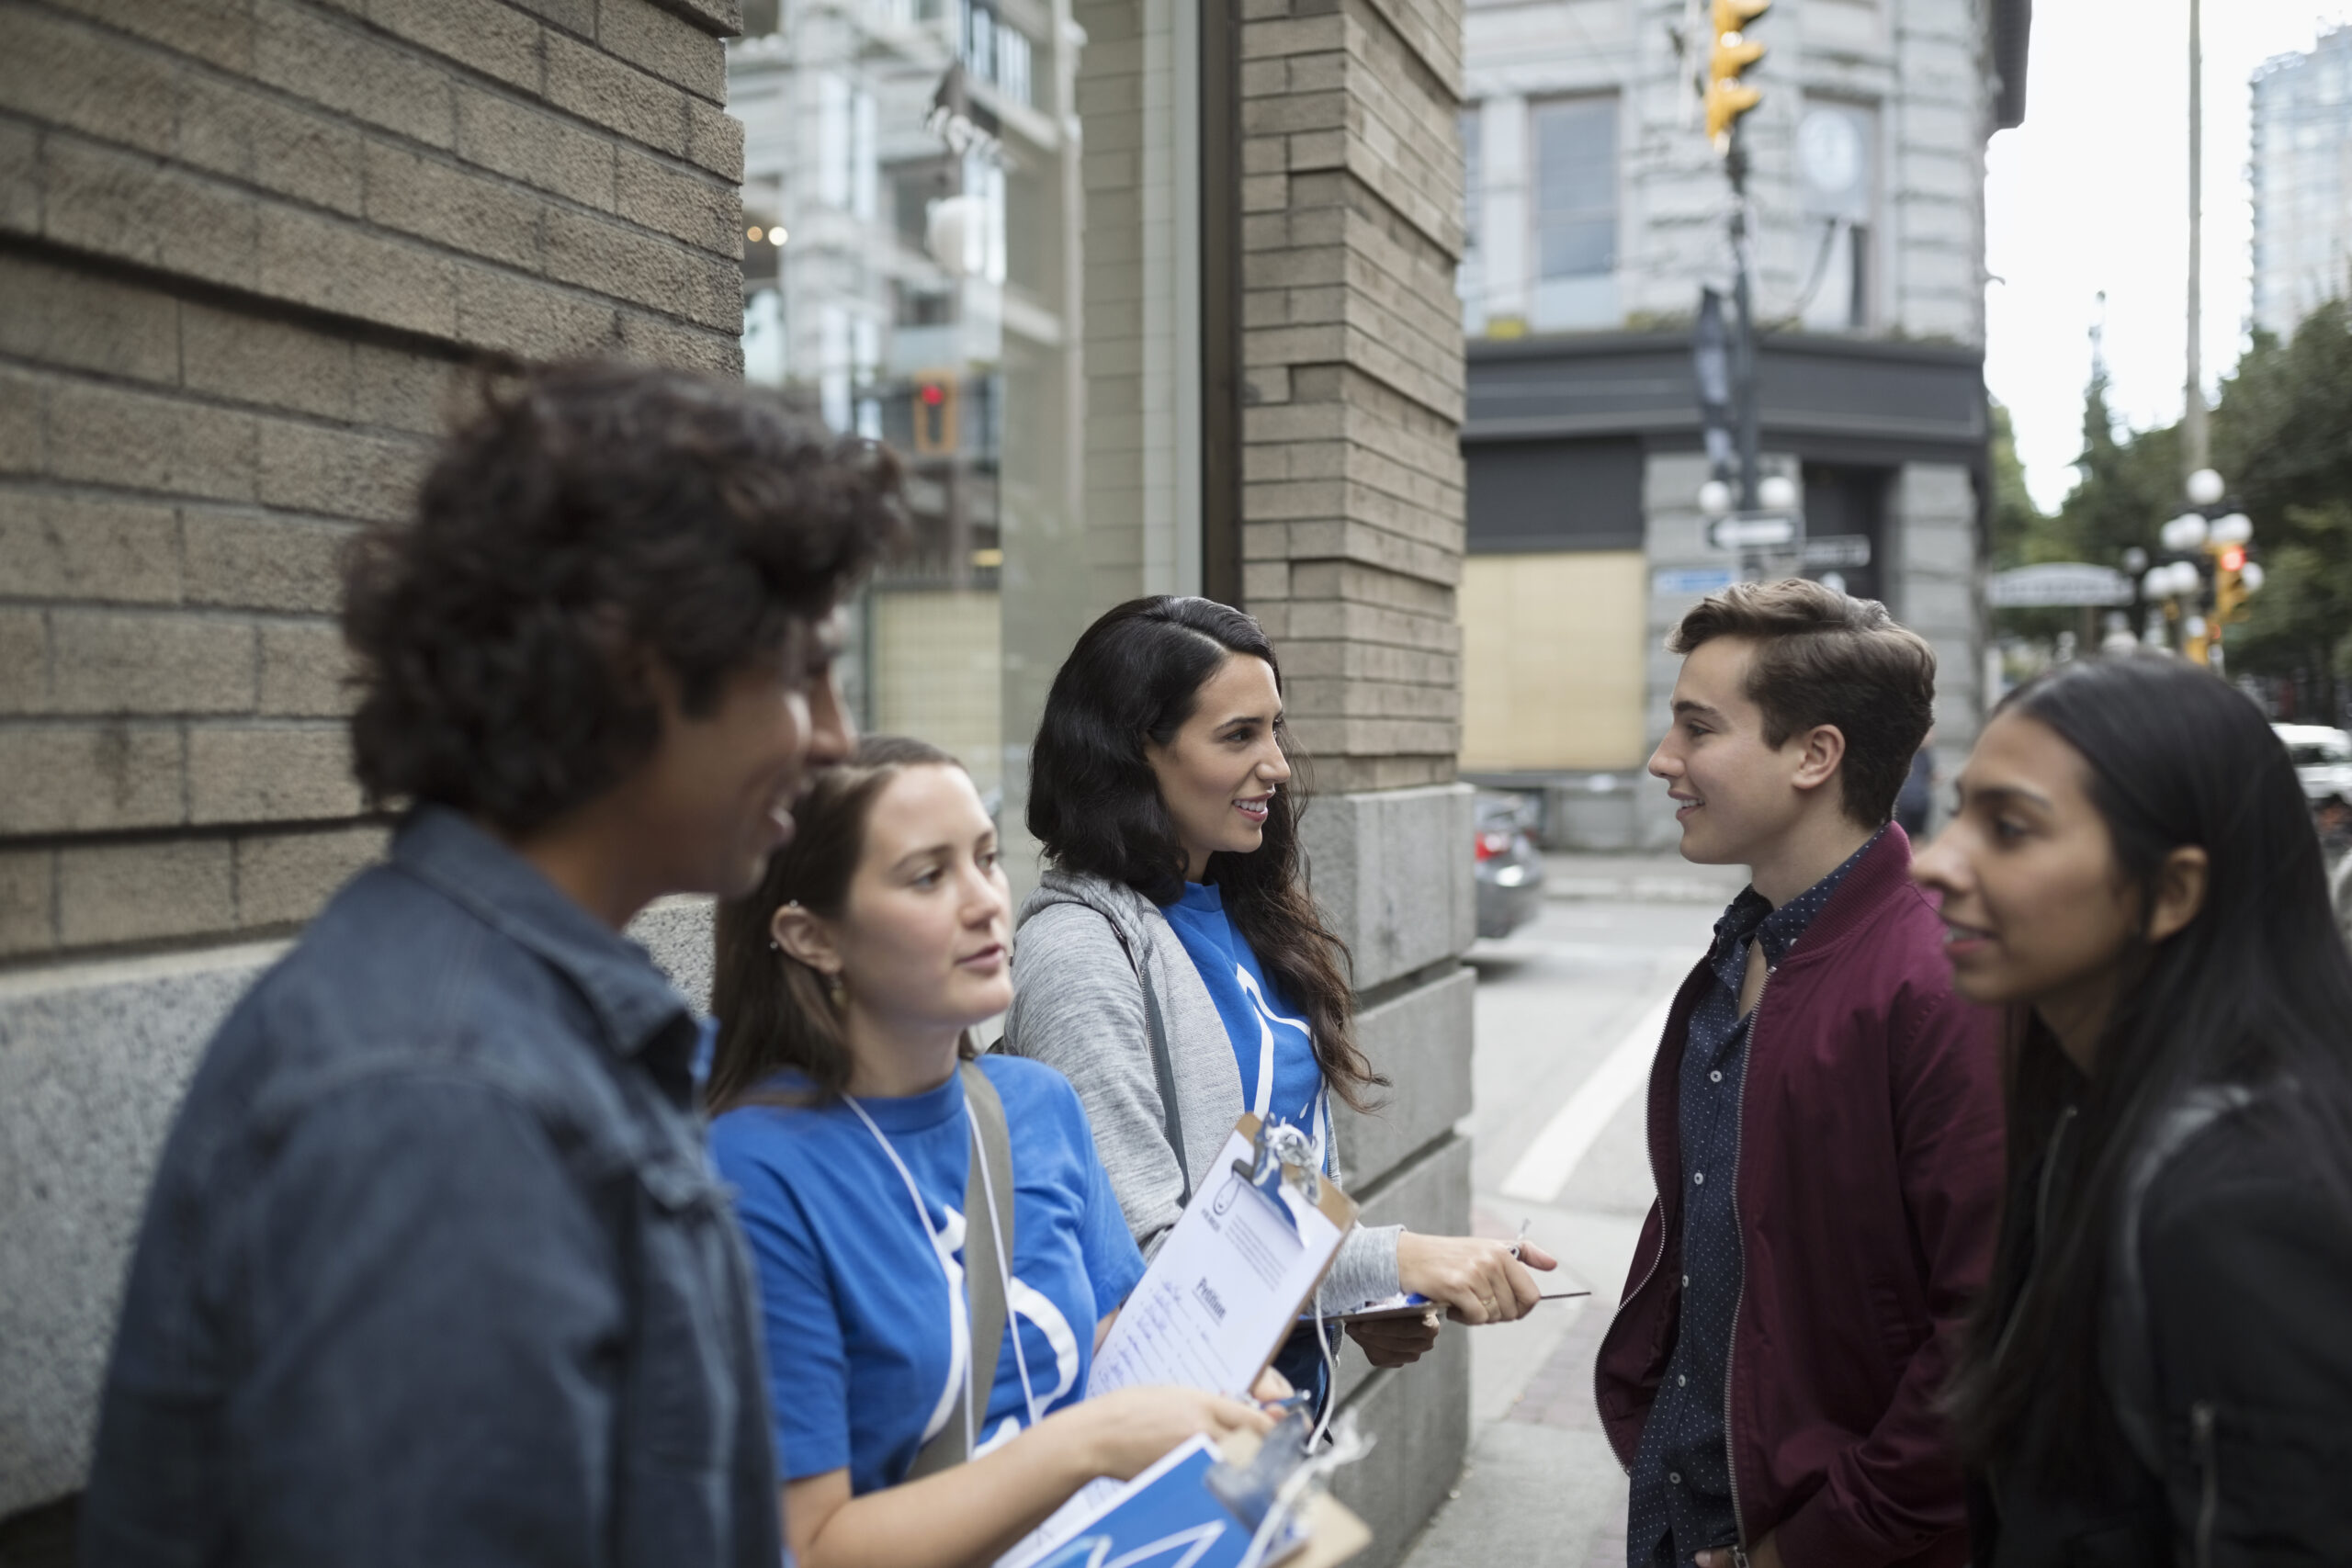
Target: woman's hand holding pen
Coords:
[(1477, 1281)]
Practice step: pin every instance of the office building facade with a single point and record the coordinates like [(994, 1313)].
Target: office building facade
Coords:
[(2299, 165), (1597, 212)]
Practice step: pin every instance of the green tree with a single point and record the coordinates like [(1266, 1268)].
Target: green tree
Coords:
[(2016, 519), (2282, 435)]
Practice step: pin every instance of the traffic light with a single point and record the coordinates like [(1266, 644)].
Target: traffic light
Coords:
[(2229, 585), (935, 415), (1729, 55)]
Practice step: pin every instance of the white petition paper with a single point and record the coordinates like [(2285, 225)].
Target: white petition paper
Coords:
[(1224, 1292)]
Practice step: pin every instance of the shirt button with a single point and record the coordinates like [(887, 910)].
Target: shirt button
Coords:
[(1699, 1179), (1681, 1379), (1675, 1476), (1715, 1077), (1686, 1281)]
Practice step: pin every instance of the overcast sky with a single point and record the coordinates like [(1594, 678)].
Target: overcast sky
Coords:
[(2092, 193)]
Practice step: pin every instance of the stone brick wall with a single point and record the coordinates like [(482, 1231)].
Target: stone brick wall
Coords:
[(248, 249), (244, 247), (1351, 352), (1351, 522)]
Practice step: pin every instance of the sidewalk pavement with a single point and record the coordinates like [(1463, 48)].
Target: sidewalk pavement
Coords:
[(1660, 877), (1541, 1485)]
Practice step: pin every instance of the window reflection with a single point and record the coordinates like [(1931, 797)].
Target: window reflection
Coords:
[(907, 179)]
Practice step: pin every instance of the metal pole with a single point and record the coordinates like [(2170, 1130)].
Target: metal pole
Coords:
[(1743, 356), (2195, 446)]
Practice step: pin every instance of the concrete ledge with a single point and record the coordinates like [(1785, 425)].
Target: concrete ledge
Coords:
[(93, 1061), (1393, 871), (1430, 1194), (677, 932), (1422, 1416), (1422, 1041)]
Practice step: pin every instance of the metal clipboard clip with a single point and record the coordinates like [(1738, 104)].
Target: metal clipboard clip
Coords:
[(1277, 1155), (1274, 1492)]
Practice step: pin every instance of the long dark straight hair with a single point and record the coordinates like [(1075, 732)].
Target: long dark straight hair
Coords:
[(774, 1011), (1135, 678), (2257, 987)]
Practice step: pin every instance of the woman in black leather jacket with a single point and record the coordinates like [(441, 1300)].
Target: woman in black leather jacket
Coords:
[(2161, 1368)]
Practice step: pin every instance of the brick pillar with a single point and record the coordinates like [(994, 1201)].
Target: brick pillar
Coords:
[(246, 247), (1351, 517)]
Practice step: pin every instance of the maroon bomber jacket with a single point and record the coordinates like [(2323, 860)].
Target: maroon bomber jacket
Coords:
[(1868, 1194)]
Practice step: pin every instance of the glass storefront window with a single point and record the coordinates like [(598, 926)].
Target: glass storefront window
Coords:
[(911, 225)]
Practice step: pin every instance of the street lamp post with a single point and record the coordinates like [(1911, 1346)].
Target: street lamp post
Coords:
[(2203, 542)]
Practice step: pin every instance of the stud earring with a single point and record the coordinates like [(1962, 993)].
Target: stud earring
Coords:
[(837, 992)]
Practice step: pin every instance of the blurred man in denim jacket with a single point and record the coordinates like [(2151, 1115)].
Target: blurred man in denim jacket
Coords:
[(434, 1269)]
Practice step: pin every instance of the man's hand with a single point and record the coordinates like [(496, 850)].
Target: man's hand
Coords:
[(1396, 1341), (1765, 1554)]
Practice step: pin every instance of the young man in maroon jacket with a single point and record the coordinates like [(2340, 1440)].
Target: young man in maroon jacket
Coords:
[(1825, 1122)]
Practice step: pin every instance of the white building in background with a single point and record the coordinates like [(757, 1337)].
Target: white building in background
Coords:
[(2299, 163), (1596, 212)]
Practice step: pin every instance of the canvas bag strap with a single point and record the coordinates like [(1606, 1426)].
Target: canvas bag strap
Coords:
[(988, 1252), (1163, 1066)]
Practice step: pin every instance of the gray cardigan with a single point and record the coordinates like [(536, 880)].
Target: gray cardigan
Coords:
[(1078, 1006)]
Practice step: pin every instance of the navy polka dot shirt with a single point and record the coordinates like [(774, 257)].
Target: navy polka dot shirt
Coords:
[(1681, 1501)]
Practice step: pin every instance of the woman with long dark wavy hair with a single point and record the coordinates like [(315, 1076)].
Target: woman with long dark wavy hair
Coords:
[(1173, 965), (2161, 1368)]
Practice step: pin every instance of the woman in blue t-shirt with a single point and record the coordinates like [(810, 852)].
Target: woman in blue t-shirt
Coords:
[(845, 988), (1173, 946)]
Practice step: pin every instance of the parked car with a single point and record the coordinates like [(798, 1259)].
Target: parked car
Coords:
[(2322, 759), (1511, 874)]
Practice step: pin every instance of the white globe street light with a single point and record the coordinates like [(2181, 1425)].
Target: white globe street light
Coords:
[(2157, 584), (2184, 579), (2250, 577), (2205, 488), (2234, 529), (2185, 531), (1714, 498), (1778, 492)]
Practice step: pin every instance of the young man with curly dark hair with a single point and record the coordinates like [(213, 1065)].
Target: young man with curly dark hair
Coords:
[(434, 1269), (1825, 1122)]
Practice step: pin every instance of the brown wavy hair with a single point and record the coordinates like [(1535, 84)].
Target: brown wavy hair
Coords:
[(1134, 679), (773, 1011), (1824, 658)]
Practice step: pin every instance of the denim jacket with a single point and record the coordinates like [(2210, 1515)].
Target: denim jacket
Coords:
[(433, 1268)]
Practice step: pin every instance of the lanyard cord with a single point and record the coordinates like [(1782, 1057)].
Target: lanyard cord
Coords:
[(957, 1331)]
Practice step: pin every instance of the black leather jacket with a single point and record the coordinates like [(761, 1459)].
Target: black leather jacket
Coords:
[(2248, 1299)]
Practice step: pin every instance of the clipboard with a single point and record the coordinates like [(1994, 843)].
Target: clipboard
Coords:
[(1226, 1287), (1169, 1514), (1417, 1306)]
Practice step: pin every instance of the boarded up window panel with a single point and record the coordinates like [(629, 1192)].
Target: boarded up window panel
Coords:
[(1553, 660)]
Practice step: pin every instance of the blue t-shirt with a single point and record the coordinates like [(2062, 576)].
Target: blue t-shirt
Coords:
[(1280, 1080), (856, 1305)]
